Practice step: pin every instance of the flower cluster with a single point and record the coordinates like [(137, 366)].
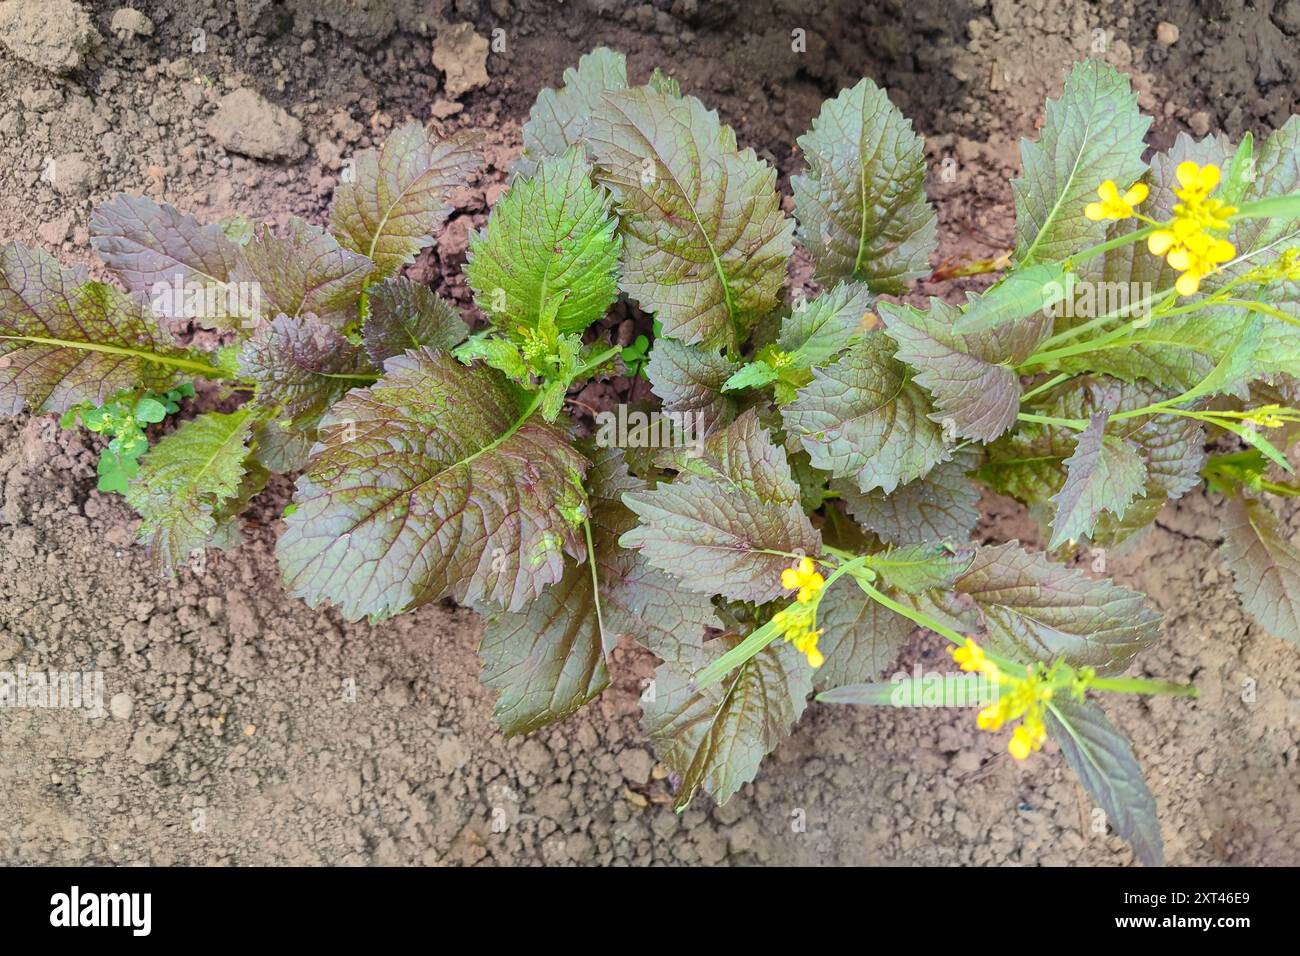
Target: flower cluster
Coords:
[(1019, 698), (798, 622), (1285, 268), (1189, 241)]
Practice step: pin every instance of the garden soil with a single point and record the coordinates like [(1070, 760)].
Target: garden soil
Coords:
[(241, 727)]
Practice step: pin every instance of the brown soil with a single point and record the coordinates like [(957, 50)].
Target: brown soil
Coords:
[(230, 697)]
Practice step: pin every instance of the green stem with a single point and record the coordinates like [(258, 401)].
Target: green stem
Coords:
[(1264, 309), (188, 365), (1077, 424), (1049, 384), (912, 614)]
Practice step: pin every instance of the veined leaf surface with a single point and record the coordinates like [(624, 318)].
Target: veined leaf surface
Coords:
[(705, 242), (65, 340), (861, 205), (432, 483), (400, 194)]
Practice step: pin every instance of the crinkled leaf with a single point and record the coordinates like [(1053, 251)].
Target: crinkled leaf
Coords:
[(689, 379), (917, 568), (559, 119), (404, 314), (304, 271), (717, 531), (821, 328), (864, 418), (185, 483), (861, 205), (717, 737), (1104, 474), (400, 194), (942, 506), (1103, 759), (1029, 463), (281, 450), (1094, 132), (1031, 608), (1265, 566), (65, 341), (300, 367), (860, 637), (705, 242), (971, 376), (549, 660), (432, 483), (549, 245), (154, 248)]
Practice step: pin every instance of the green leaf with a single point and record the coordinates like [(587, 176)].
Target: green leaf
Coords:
[(860, 637), (1094, 132), (185, 482), (549, 243), (917, 568), (1265, 566), (1103, 759), (300, 367), (864, 418), (818, 330), (305, 271), (404, 314), (1104, 474), (1030, 608), (717, 737), (549, 660), (690, 381), (971, 376), (732, 532), (154, 248), (498, 353), (1276, 177), (861, 205), (559, 119), (433, 482), (751, 375), (705, 243), (942, 506), (1027, 293), (65, 341), (400, 194)]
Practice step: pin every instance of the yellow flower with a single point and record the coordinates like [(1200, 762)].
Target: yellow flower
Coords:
[(796, 624), (1197, 181), (804, 578), (1200, 255), (1113, 205), (1030, 735), (1018, 698), (971, 658), (1187, 242)]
